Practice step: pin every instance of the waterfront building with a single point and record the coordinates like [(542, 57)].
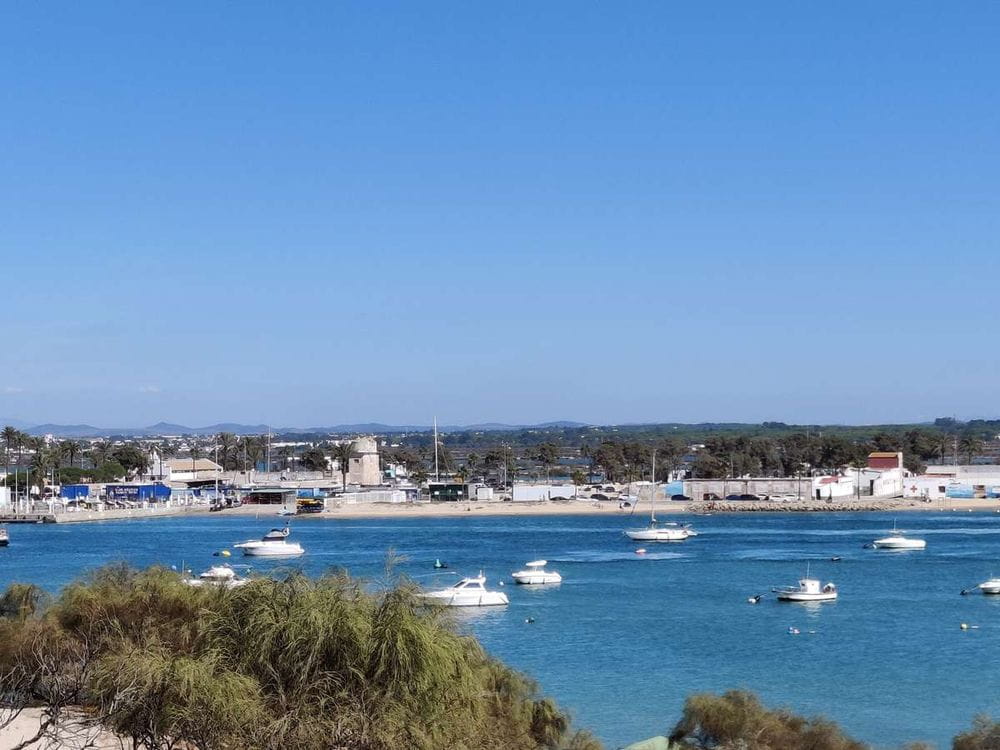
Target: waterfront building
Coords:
[(954, 482), (533, 493), (185, 470)]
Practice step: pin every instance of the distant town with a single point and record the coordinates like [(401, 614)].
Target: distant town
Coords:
[(734, 465)]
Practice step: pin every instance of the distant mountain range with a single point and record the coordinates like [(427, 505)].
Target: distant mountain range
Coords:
[(168, 428)]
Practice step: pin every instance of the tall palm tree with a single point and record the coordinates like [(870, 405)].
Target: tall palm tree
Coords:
[(69, 449), (941, 443), (253, 450), (971, 446), (227, 450), (9, 435), (100, 453), (471, 465), (344, 452), (20, 441)]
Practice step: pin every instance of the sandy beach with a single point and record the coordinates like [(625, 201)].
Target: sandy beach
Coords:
[(592, 508)]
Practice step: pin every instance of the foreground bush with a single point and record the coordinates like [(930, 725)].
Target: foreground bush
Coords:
[(984, 735), (299, 663), (737, 719)]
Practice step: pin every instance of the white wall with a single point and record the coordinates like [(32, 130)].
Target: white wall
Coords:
[(533, 493)]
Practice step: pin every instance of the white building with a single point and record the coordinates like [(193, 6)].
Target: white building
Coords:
[(959, 482), (825, 487), (185, 470), (528, 493)]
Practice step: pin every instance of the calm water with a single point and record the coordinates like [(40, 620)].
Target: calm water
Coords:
[(625, 638)]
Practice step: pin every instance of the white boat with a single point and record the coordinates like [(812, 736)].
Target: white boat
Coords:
[(534, 573), (991, 586), (898, 540), (273, 544), (658, 531), (808, 590), (4, 536), (218, 575), (469, 592)]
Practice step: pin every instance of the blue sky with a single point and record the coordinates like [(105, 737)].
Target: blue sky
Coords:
[(338, 212)]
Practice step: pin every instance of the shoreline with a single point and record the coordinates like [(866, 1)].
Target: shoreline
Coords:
[(593, 508), (545, 508)]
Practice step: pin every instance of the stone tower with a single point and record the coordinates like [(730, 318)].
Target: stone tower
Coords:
[(364, 468)]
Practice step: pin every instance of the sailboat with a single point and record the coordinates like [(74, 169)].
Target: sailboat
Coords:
[(658, 531)]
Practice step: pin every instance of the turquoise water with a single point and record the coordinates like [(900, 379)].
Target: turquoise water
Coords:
[(625, 638)]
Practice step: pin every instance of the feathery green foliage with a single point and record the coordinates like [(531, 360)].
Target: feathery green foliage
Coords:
[(304, 663), (737, 719)]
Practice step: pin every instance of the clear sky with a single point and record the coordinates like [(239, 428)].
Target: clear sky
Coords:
[(317, 213)]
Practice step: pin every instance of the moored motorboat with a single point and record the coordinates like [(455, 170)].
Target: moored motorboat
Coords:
[(534, 573), (4, 536), (991, 586), (807, 590), (897, 539), (218, 575), (469, 592), (273, 544)]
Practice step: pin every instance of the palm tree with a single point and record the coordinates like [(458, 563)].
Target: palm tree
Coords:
[(471, 465), (9, 435), (942, 443), (227, 450), (253, 450), (344, 452), (971, 446), (69, 449), (41, 459), (100, 453)]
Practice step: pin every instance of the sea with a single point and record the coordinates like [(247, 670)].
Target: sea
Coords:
[(626, 637)]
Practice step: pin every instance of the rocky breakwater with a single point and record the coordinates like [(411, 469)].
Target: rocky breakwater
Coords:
[(872, 504)]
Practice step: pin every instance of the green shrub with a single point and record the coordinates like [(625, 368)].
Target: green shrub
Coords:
[(303, 663)]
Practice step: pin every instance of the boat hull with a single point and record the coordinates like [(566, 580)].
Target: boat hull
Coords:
[(230, 584), (536, 579), (657, 535), (488, 599), (271, 550), (795, 596), (899, 544), (990, 588)]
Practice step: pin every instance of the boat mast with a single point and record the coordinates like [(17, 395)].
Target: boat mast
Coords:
[(437, 474), (217, 471), (652, 493)]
